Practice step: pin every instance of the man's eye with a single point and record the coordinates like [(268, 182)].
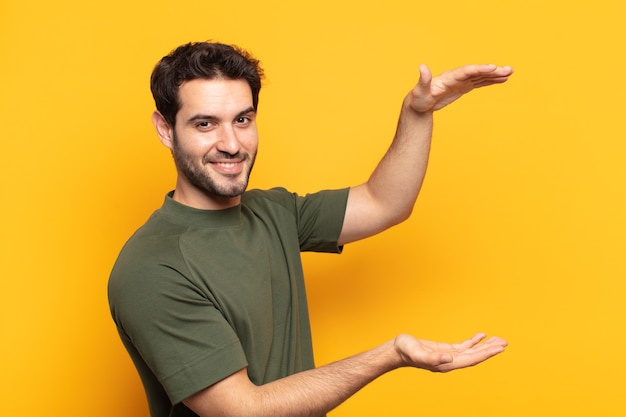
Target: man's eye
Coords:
[(203, 124), (243, 120)]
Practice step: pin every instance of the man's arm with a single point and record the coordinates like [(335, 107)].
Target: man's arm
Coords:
[(387, 198), (317, 391)]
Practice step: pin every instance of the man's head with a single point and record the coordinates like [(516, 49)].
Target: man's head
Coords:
[(206, 96), (204, 60)]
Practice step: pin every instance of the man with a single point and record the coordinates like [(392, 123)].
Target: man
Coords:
[(208, 296)]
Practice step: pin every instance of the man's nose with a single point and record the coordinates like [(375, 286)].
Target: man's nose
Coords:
[(228, 141)]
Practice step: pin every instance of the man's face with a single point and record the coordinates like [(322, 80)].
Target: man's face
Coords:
[(215, 139)]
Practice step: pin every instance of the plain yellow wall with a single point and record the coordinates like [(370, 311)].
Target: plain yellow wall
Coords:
[(519, 231)]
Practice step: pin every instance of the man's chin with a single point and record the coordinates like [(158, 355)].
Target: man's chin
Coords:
[(227, 196), (217, 184), (231, 192)]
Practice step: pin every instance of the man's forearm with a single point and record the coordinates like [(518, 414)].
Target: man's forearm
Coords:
[(317, 391), (388, 197), (309, 393), (398, 178)]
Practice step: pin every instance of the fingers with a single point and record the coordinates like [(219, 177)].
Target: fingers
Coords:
[(485, 70), (474, 340), (472, 352), (477, 75), (474, 343), (492, 74), (470, 358)]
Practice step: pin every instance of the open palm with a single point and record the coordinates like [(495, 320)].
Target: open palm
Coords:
[(444, 357)]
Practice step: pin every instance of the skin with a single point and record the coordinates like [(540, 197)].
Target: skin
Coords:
[(222, 148)]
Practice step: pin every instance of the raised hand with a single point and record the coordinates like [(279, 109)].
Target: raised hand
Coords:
[(432, 94), (444, 357)]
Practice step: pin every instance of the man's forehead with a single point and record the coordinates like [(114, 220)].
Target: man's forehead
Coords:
[(214, 95), (215, 86)]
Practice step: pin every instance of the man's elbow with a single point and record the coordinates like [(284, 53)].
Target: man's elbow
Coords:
[(401, 216)]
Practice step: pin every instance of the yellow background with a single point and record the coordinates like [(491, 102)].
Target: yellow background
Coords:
[(519, 230)]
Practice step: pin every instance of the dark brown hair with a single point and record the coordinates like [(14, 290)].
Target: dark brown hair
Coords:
[(206, 60)]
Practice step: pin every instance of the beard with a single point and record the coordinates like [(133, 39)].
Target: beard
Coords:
[(209, 182)]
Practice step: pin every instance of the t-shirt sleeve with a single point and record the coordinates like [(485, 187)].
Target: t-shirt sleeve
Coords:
[(315, 219), (320, 220), (179, 333)]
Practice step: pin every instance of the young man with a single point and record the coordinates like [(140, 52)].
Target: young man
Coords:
[(208, 296)]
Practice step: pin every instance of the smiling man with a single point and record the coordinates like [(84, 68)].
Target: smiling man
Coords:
[(208, 295)]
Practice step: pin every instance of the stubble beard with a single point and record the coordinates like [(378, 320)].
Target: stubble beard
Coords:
[(214, 185)]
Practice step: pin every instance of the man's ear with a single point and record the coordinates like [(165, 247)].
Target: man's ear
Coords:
[(163, 129)]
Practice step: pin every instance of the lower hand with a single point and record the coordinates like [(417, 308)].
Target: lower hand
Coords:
[(444, 357)]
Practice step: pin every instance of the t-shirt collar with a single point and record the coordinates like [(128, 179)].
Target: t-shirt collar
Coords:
[(190, 216)]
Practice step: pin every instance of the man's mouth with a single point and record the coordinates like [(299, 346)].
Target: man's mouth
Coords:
[(228, 168), (227, 164)]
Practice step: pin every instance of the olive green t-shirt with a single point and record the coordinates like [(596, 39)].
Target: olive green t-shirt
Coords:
[(197, 295)]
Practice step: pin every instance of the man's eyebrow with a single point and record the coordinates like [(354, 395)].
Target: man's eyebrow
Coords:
[(202, 117), (212, 117), (246, 111)]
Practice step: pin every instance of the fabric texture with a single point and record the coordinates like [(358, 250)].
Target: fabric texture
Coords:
[(197, 295)]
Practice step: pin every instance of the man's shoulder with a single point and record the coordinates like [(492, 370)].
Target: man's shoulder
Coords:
[(152, 243), (157, 229), (257, 199)]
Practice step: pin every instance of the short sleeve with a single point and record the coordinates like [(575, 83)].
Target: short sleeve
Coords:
[(320, 220), (177, 331)]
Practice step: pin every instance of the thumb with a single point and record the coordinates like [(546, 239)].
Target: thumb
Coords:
[(445, 358), (425, 76)]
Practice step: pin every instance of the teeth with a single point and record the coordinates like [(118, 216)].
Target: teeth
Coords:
[(227, 164)]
